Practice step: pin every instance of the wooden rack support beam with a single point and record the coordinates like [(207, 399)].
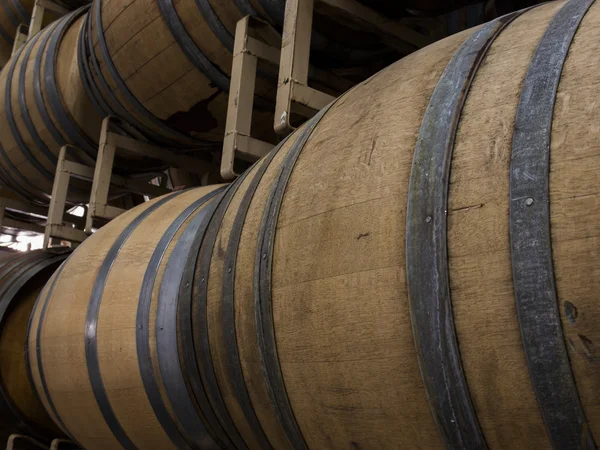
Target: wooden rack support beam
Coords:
[(294, 65), (238, 126)]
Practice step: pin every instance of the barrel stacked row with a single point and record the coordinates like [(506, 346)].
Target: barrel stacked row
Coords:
[(163, 67), (416, 267)]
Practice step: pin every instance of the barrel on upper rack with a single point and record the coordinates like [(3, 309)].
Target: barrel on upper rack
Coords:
[(416, 267), (18, 12), (22, 276), (165, 66), (44, 106)]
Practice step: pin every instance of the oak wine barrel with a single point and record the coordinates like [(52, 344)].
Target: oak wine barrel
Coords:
[(165, 66), (22, 276), (44, 106), (416, 267)]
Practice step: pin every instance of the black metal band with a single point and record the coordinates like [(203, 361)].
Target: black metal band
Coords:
[(24, 110), (265, 328), (10, 119), (166, 131), (218, 78), (61, 250), (37, 86), (426, 246), (143, 325), (25, 16), (234, 365), (193, 315), (76, 135), (531, 241), (198, 423), (104, 94), (43, 301), (12, 283), (9, 181), (215, 24), (26, 116), (91, 325), (13, 177)]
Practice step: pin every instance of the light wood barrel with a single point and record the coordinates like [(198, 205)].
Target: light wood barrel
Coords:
[(165, 66), (414, 268), (22, 276), (43, 106)]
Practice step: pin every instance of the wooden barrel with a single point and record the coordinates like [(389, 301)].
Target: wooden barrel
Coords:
[(22, 276), (165, 66), (16, 12), (417, 267), (44, 106)]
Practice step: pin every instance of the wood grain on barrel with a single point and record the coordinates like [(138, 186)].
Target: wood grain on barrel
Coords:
[(478, 264), (574, 181), (44, 132)]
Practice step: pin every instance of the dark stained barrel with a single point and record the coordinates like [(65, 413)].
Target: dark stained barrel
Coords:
[(416, 267)]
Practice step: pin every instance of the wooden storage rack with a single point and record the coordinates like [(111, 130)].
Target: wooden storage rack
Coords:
[(112, 140), (256, 40)]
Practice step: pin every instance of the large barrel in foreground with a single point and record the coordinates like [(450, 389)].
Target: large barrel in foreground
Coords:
[(417, 267), (22, 276)]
